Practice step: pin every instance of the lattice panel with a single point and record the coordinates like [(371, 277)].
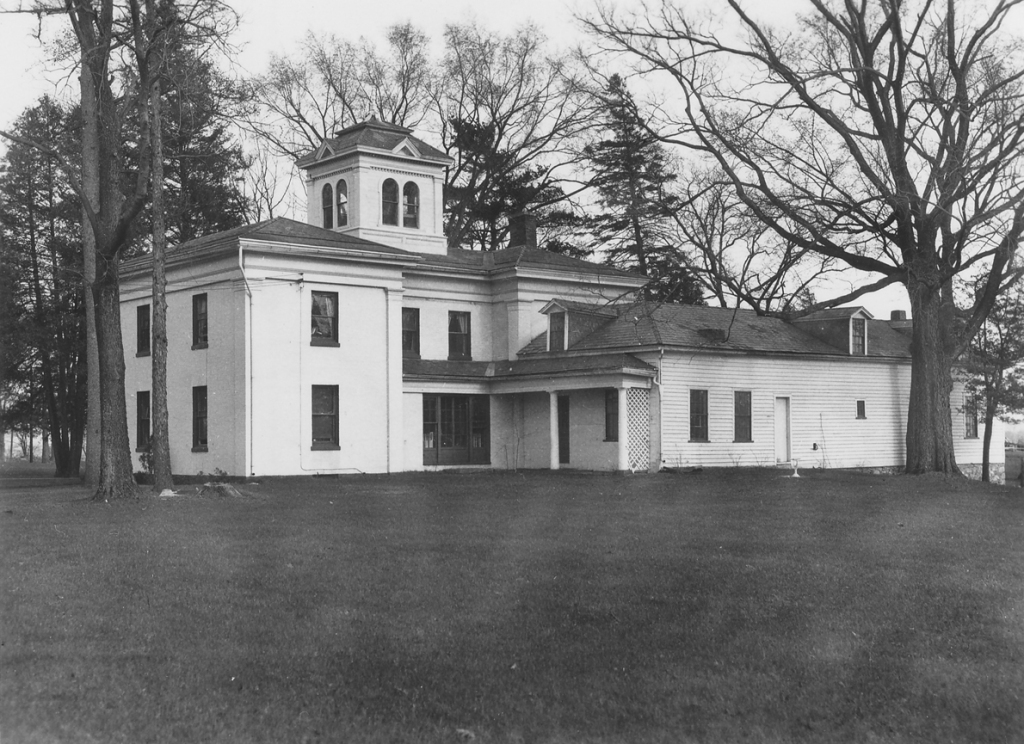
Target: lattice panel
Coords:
[(638, 424)]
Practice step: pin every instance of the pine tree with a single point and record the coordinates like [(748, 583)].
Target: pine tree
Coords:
[(631, 176)]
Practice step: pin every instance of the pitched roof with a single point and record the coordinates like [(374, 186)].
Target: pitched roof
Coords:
[(371, 135), (526, 257), (589, 308), (278, 230), (833, 313), (710, 328)]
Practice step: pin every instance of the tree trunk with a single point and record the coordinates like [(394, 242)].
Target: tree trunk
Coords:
[(986, 446), (929, 421), (90, 196), (162, 478), (116, 478)]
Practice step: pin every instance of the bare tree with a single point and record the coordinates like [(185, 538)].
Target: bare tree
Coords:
[(886, 135)]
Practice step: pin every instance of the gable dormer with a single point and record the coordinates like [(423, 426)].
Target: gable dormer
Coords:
[(845, 328), (378, 182), (570, 321)]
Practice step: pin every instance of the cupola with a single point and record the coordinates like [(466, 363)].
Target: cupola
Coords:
[(378, 182)]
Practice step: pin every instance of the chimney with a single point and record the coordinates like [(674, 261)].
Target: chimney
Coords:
[(898, 315), (522, 229)]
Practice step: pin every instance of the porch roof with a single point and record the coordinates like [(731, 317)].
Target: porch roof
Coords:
[(526, 368)]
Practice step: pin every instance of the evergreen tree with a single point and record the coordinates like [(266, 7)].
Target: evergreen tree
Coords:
[(631, 175)]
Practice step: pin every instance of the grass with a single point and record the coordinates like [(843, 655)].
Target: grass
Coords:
[(725, 606)]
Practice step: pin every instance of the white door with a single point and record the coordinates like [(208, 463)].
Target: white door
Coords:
[(782, 452)]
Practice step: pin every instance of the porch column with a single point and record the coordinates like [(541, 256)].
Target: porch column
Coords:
[(623, 429), (553, 427)]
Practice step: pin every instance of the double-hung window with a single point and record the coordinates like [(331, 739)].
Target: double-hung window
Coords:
[(410, 205), (410, 331), (143, 428), (611, 415), (142, 331), (556, 332), (389, 202), (859, 339), (970, 416), (327, 202), (325, 417), (199, 418), (742, 416), (324, 316), (699, 415), (459, 346), (862, 409), (200, 325), (342, 203)]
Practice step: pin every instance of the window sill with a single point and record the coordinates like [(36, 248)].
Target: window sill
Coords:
[(616, 441), (699, 441), (742, 441), (460, 359), (201, 448), (200, 346), (142, 354), (323, 342), (325, 446), (410, 355), (862, 418), (142, 449)]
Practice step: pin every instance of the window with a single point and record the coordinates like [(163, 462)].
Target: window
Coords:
[(327, 199), (556, 332), (142, 331), (410, 205), (342, 203), (325, 417), (743, 431), (698, 415), (410, 331), (389, 202), (458, 336), (199, 442), (456, 429), (859, 338), (325, 319), (200, 326), (611, 415), (862, 409), (143, 430), (970, 416)]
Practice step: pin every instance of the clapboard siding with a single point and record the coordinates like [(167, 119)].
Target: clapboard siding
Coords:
[(823, 411), (823, 403)]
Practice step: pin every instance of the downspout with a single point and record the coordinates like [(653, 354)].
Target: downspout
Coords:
[(248, 330)]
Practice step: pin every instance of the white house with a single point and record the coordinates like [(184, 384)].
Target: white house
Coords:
[(358, 342)]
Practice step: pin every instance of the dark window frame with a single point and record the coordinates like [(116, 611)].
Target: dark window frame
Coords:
[(332, 418), (970, 416), (411, 332), (556, 331), (200, 419), (858, 337), (200, 321), (699, 420), (143, 331), (611, 415), (460, 342), (862, 409), (456, 429), (743, 416), (327, 204), (143, 421), (341, 197), (411, 205), (389, 202), (317, 336)]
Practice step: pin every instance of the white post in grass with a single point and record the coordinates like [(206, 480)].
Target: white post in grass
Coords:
[(553, 428), (795, 464)]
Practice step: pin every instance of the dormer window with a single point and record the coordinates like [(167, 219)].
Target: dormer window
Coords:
[(327, 200), (556, 332), (858, 337), (342, 203), (411, 205), (389, 202)]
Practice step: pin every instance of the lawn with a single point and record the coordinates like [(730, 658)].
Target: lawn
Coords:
[(723, 606)]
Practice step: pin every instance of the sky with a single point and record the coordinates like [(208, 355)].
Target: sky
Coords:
[(269, 26)]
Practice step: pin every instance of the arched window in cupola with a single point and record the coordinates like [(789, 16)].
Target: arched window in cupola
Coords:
[(342, 189), (389, 202), (411, 205), (328, 205)]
